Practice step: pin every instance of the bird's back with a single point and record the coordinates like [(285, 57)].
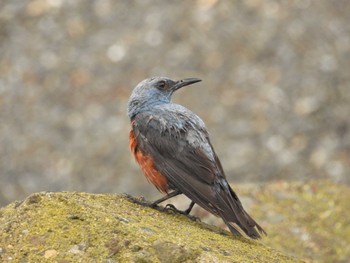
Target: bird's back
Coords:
[(185, 127)]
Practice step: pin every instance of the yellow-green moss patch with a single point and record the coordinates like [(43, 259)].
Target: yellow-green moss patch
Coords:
[(310, 220), (81, 227)]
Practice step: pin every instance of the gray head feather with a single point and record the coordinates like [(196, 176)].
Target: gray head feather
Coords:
[(154, 91)]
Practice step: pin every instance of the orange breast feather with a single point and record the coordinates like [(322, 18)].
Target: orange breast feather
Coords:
[(147, 165)]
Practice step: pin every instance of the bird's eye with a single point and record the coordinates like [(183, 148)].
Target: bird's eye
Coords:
[(162, 84)]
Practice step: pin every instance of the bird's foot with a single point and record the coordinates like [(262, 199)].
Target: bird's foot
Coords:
[(185, 212), (173, 208), (142, 201), (169, 207)]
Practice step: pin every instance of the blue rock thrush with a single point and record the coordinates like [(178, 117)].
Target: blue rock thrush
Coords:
[(172, 147)]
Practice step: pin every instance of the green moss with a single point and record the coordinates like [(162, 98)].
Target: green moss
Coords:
[(72, 227)]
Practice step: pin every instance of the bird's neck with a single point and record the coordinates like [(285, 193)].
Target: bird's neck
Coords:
[(137, 106)]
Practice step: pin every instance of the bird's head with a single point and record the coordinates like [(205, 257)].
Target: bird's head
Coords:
[(154, 91)]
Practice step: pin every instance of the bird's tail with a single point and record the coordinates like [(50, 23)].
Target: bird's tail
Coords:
[(235, 217)]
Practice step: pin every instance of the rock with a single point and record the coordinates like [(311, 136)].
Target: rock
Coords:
[(76, 227)]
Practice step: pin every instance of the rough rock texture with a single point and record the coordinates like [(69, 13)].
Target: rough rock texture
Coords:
[(81, 227), (310, 220)]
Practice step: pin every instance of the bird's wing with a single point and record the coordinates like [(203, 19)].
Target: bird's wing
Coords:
[(186, 158)]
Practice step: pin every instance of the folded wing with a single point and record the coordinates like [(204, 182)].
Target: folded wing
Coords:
[(184, 155)]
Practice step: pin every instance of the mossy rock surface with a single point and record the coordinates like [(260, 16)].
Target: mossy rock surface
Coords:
[(310, 220), (82, 227)]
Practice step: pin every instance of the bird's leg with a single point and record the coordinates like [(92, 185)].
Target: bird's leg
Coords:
[(189, 209), (168, 196), (185, 212), (142, 201), (171, 206)]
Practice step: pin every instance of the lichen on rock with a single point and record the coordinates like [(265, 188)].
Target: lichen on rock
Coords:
[(76, 227)]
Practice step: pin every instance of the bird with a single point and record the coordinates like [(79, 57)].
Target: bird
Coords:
[(172, 147)]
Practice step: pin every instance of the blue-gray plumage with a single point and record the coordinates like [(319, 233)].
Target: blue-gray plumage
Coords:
[(172, 147)]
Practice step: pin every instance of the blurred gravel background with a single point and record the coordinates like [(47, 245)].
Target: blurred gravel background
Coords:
[(275, 93)]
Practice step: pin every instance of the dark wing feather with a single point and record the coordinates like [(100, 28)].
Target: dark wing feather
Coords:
[(189, 170)]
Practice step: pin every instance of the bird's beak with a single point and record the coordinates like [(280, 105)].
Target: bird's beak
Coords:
[(184, 82)]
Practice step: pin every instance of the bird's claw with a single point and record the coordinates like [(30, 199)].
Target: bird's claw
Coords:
[(185, 212), (172, 207), (142, 201)]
